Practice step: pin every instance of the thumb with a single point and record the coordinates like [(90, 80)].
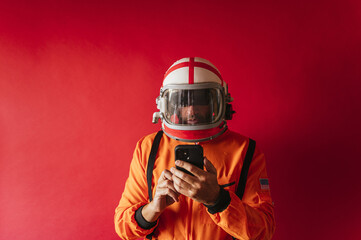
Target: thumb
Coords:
[(209, 166)]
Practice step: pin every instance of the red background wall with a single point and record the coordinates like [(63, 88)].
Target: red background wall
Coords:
[(78, 82)]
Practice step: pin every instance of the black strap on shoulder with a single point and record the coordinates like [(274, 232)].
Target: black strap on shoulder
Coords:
[(151, 160), (150, 166), (244, 171), (245, 168)]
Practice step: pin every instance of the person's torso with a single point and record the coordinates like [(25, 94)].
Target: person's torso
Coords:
[(188, 219)]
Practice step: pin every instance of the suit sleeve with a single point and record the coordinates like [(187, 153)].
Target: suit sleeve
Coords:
[(135, 195), (253, 216)]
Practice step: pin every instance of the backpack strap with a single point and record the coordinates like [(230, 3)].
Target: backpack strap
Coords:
[(151, 161), (244, 172), (150, 166)]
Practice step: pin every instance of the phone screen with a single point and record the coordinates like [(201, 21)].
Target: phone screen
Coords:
[(189, 153)]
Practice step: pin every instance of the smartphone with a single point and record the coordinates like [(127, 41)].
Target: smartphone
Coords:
[(189, 153)]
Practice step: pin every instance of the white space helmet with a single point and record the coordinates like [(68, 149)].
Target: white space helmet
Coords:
[(193, 101)]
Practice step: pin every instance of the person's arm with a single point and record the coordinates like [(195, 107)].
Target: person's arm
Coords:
[(135, 217), (249, 218), (135, 196), (253, 216)]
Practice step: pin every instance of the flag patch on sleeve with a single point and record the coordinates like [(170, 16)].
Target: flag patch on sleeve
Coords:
[(264, 183)]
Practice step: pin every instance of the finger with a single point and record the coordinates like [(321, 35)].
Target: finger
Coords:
[(182, 187), (162, 192), (166, 183), (161, 177), (189, 167), (166, 174), (182, 175), (209, 166)]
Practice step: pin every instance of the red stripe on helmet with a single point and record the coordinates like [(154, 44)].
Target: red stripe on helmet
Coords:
[(175, 67), (191, 64), (210, 68), (191, 71)]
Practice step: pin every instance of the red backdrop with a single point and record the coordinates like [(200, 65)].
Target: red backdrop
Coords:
[(78, 82)]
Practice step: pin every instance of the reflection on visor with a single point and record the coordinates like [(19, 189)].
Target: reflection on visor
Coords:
[(193, 107), (195, 97)]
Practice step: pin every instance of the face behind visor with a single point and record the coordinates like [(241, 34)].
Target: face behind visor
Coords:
[(193, 101), (193, 107)]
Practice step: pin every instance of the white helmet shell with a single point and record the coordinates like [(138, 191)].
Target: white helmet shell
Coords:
[(192, 71)]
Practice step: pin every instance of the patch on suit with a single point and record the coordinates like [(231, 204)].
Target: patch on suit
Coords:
[(264, 183)]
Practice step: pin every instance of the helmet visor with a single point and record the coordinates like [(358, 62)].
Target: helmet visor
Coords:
[(193, 106)]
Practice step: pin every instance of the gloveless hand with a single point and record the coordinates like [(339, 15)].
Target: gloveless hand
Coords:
[(165, 195), (202, 187)]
